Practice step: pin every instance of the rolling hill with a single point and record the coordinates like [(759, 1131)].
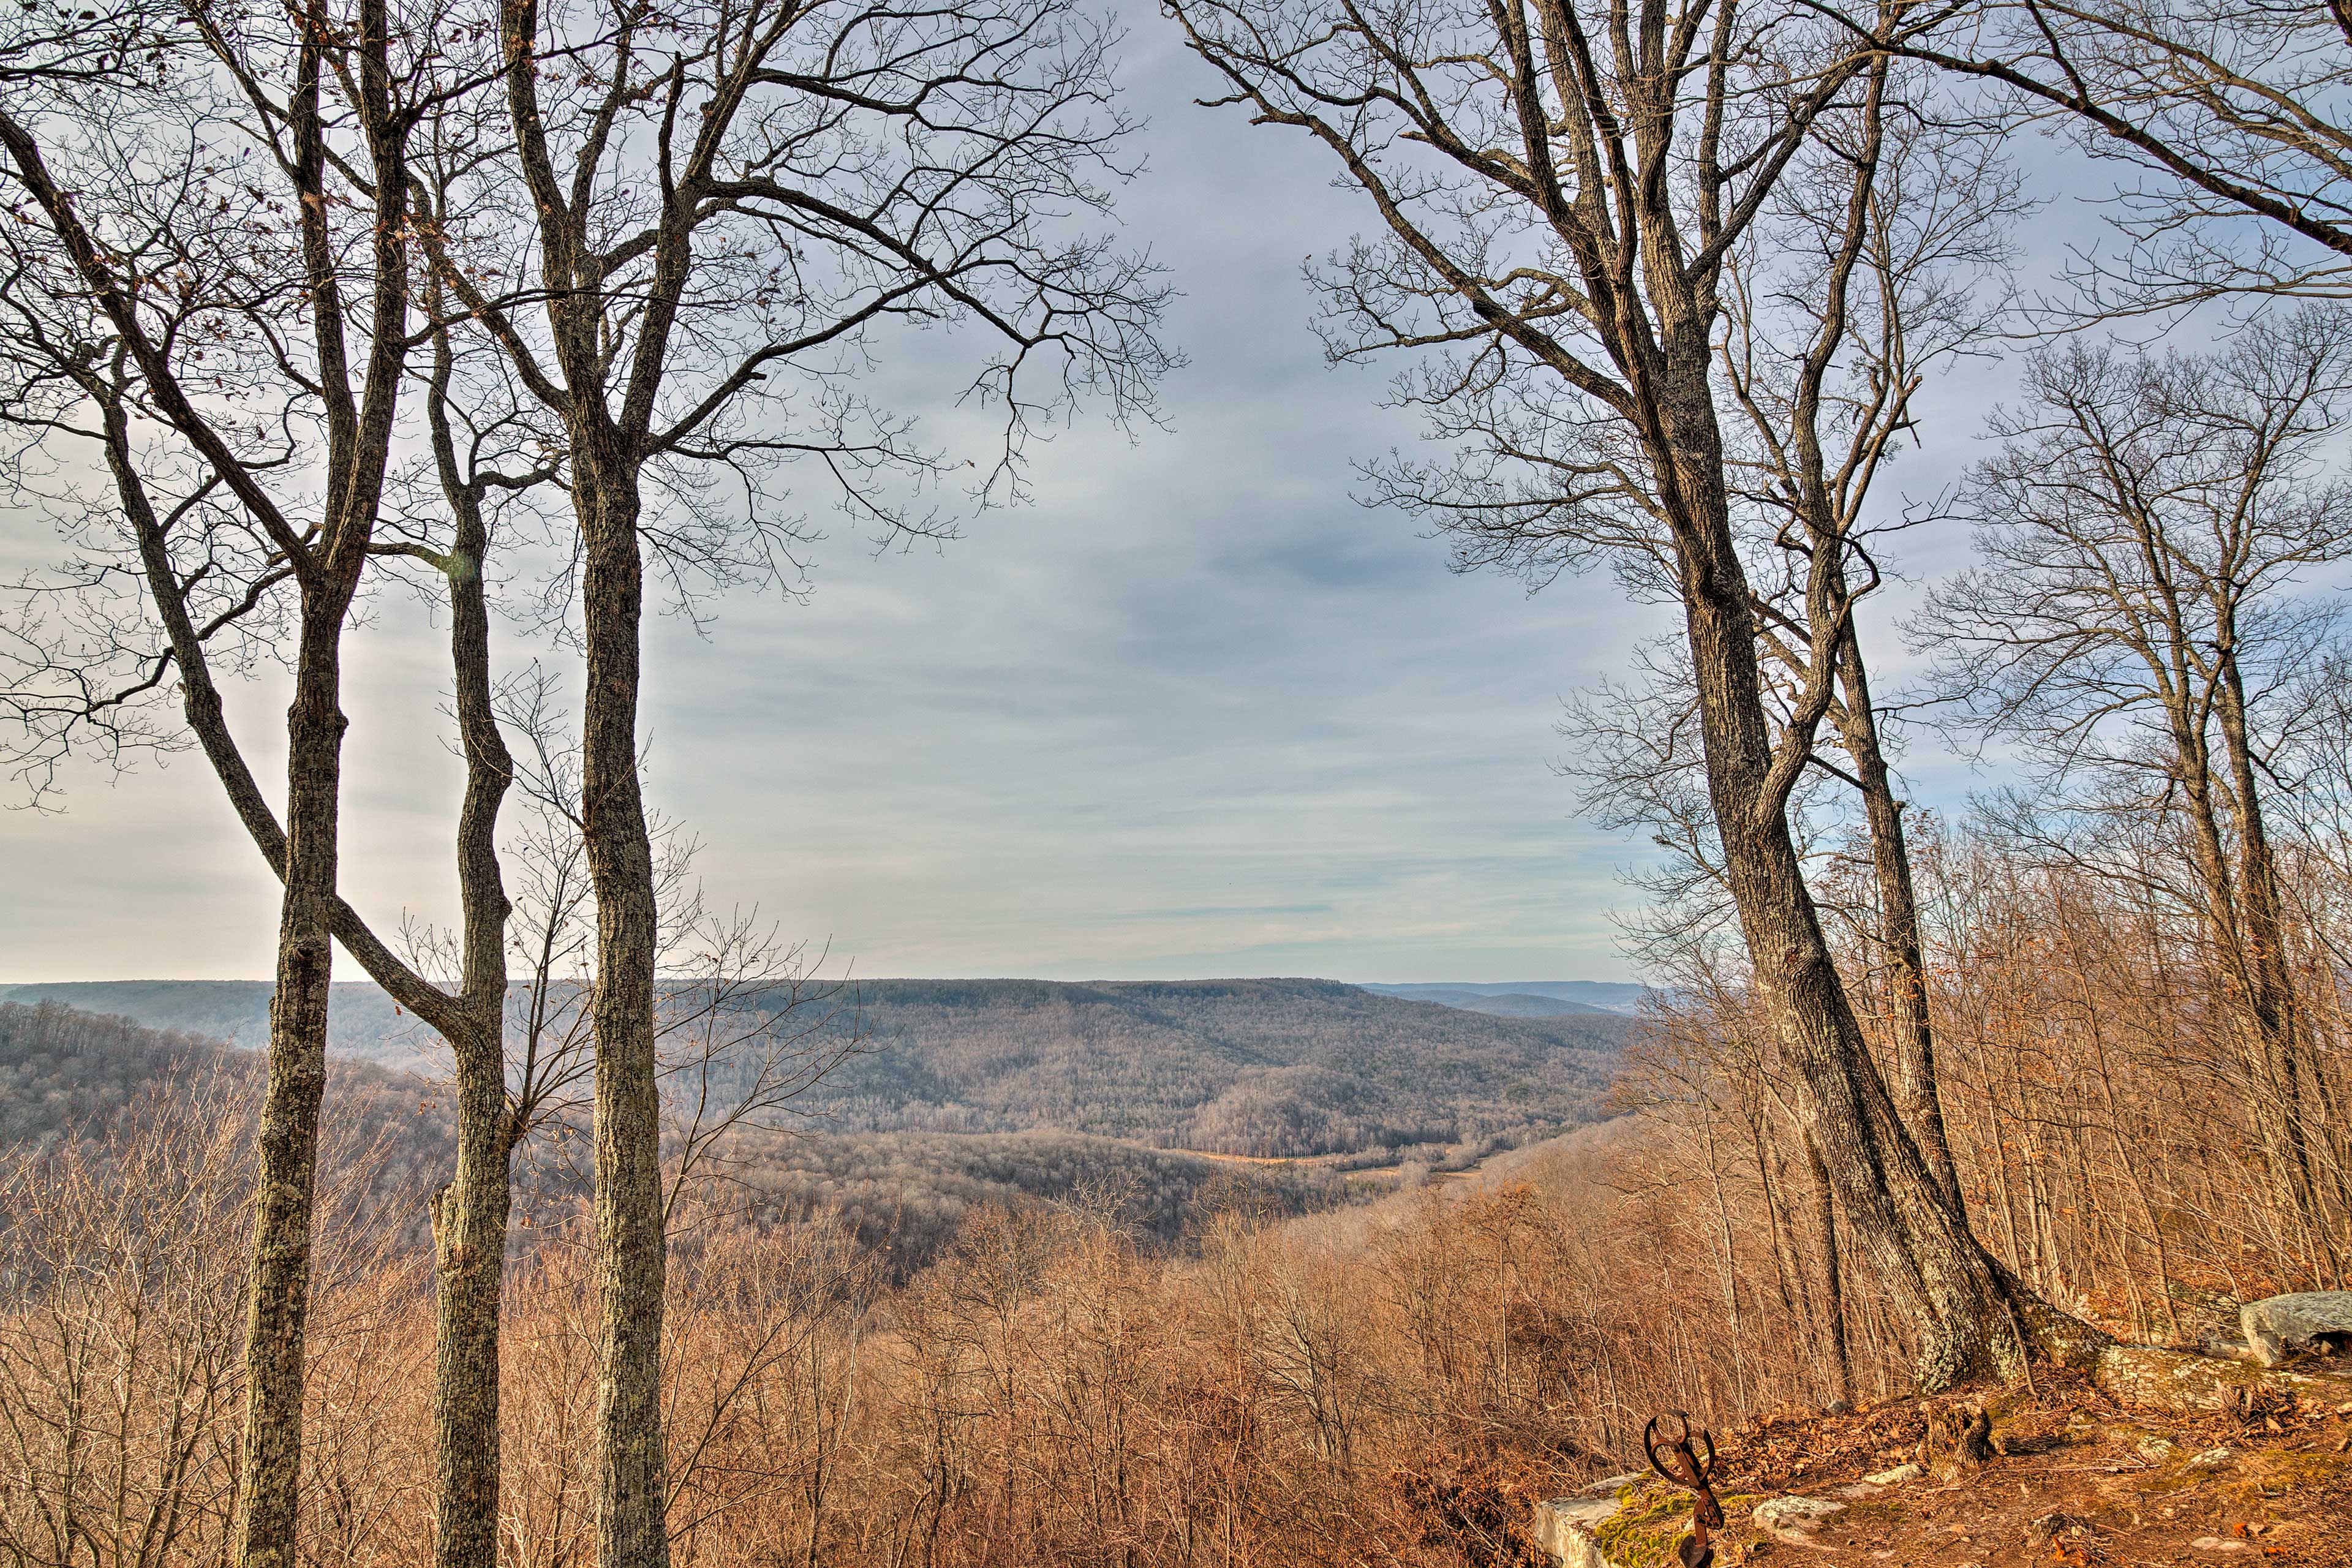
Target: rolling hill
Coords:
[(1267, 1067), (66, 1074)]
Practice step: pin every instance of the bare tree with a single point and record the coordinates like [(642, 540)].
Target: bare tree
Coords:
[(1888, 262), (226, 268), (705, 214), (2228, 113), (2144, 530), (177, 581), (1565, 189)]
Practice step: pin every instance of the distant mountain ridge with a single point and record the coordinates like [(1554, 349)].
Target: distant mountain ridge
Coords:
[(1524, 998), (362, 1021), (1268, 1068)]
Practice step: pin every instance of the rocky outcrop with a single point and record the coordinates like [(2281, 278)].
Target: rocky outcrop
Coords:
[(1636, 1521), (2188, 1384), (2314, 1323)]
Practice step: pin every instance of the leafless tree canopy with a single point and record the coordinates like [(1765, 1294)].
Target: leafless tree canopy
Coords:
[(2226, 124)]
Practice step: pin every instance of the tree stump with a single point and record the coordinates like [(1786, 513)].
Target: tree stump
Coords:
[(1958, 1442)]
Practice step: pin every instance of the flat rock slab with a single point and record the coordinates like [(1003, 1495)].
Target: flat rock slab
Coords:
[(2186, 1385), (1613, 1523), (1794, 1519), (2278, 1328), (1570, 1529)]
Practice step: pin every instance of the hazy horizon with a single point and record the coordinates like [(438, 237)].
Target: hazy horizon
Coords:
[(347, 973)]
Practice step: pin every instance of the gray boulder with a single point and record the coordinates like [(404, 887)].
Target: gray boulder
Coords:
[(2316, 1321), (1570, 1527)]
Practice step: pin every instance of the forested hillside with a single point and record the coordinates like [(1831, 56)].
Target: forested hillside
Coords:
[(70, 1076), (363, 1021), (1525, 998), (1240, 1066), (1273, 1067)]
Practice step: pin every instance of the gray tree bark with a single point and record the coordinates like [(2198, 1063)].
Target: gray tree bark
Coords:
[(278, 1294), (1898, 926), (631, 1254)]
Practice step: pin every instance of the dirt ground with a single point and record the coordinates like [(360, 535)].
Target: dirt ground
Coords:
[(2077, 1479)]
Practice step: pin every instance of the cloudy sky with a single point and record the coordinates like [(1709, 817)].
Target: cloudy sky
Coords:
[(1192, 712)]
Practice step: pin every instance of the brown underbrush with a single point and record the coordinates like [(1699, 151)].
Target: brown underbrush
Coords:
[(1393, 1383)]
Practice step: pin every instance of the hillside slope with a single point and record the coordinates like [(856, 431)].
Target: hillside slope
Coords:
[(362, 1021), (1272, 1067), (1239, 1067), (1507, 1004), (905, 1192), (64, 1073)]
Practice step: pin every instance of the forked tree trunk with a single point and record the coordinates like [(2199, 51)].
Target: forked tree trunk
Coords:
[(1973, 1320), (325, 557), (469, 1215), (359, 431)]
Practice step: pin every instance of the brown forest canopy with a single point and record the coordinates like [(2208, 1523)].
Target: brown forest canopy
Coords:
[(84, 1078)]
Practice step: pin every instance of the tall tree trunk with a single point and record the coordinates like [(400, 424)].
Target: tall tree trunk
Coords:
[(469, 1231), (469, 1215), (279, 1299), (1833, 1276), (2270, 981), (358, 432), (1919, 1244), (2230, 924), (1916, 1089), (630, 1252)]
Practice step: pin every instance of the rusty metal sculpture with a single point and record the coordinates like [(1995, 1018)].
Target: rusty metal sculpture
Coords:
[(1679, 1462)]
